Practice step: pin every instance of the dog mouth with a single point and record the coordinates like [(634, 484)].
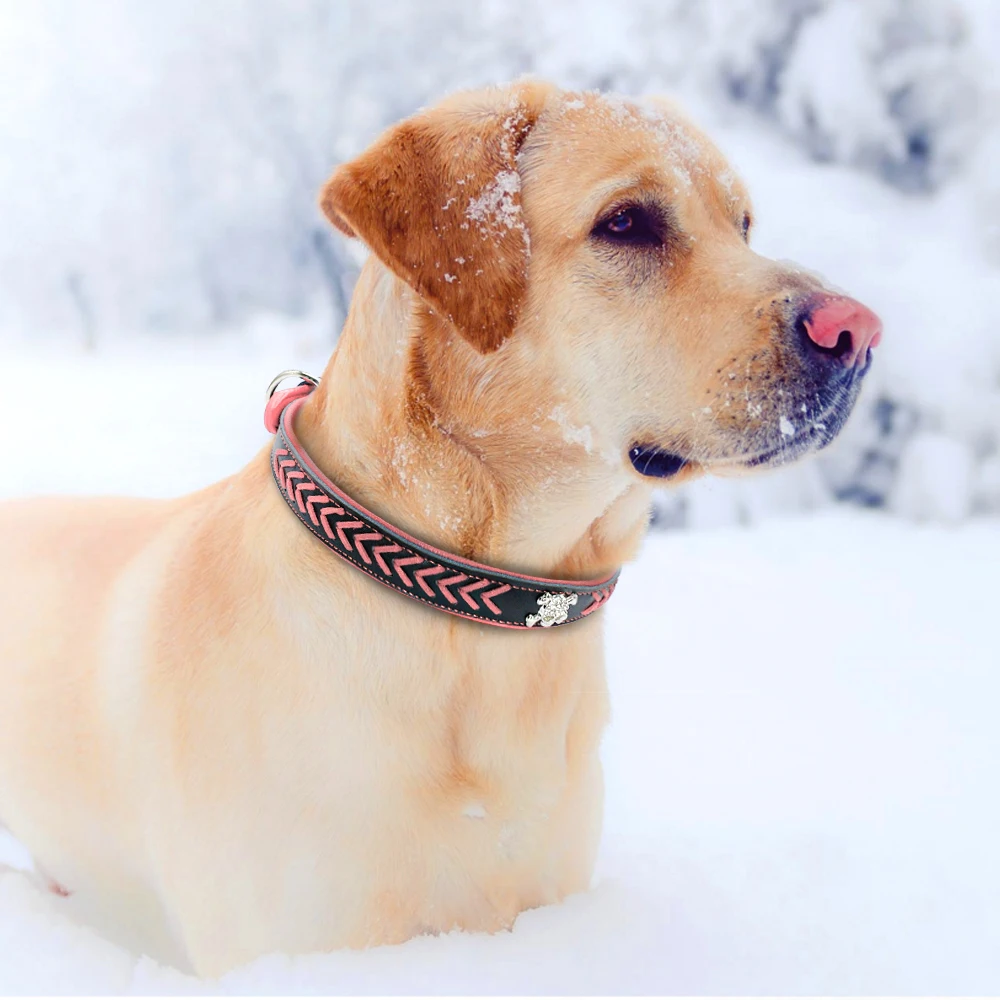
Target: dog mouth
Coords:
[(655, 462), (812, 434), (790, 438), (815, 437)]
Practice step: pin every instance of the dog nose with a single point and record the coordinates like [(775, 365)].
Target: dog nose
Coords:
[(841, 328)]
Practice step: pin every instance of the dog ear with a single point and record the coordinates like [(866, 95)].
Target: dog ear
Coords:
[(437, 200)]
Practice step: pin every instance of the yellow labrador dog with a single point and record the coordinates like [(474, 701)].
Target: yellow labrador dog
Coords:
[(231, 741)]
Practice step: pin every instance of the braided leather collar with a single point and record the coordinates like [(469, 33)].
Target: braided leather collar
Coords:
[(411, 567)]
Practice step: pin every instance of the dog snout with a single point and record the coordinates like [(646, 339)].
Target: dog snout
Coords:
[(839, 329)]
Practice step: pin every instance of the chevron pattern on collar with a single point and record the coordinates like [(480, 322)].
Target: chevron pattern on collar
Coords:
[(397, 560)]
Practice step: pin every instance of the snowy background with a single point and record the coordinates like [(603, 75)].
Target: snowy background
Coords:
[(828, 760)]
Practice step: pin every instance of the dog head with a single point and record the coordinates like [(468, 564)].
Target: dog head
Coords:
[(593, 254)]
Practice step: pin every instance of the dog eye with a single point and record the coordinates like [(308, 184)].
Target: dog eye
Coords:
[(621, 223), (746, 226), (632, 225)]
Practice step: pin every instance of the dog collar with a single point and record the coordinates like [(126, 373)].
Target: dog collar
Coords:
[(400, 561)]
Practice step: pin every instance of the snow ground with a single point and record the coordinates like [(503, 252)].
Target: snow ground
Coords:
[(801, 767)]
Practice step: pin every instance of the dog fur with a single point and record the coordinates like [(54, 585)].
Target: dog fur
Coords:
[(229, 741)]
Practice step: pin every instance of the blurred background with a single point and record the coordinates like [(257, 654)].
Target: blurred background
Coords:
[(802, 762), (159, 165)]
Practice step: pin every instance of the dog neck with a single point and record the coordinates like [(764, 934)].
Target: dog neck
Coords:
[(480, 455)]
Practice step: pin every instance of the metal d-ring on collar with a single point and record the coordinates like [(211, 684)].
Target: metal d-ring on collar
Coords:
[(401, 562), (303, 378)]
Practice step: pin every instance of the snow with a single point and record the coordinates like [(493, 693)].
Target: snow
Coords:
[(934, 479), (571, 433), (495, 209), (801, 766)]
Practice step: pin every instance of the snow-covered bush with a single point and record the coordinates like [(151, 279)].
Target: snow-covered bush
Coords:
[(886, 84)]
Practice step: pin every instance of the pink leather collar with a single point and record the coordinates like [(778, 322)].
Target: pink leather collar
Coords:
[(403, 563)]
